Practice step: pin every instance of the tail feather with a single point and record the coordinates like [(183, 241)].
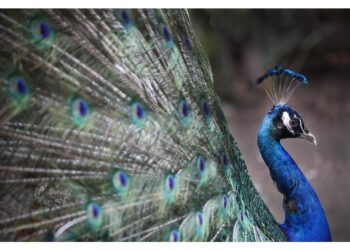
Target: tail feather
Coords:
[(111, 130)]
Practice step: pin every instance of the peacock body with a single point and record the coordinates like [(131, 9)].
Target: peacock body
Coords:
[(305, 219), (110, 129)]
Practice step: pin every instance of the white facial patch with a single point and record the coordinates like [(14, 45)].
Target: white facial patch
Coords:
[(286, 119)]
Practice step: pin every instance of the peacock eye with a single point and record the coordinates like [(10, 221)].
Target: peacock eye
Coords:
[(293, 123), (279, 124)]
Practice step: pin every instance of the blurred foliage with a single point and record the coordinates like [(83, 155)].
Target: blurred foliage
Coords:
[(243, 43)]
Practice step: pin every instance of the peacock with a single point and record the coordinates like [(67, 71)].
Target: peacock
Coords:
[(111, 130)]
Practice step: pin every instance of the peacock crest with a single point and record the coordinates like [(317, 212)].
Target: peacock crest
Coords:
[(280, 84)]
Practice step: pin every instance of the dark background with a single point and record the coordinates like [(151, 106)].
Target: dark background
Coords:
[(241, 45)]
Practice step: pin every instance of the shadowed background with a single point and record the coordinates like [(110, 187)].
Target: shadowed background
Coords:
[(241, 45)]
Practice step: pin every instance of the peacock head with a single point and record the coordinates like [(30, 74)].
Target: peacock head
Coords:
[(282, 121)]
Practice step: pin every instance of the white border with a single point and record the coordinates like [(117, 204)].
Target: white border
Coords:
[(173, 4), (171, 246)]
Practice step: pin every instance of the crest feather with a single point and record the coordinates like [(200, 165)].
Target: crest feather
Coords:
[(280, 83)]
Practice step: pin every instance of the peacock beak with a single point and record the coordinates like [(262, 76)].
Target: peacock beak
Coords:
[(308, 136)]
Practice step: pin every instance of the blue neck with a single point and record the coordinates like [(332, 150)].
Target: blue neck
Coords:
[(305, 219)]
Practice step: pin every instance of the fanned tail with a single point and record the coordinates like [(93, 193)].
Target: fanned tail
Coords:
[(111, 130)]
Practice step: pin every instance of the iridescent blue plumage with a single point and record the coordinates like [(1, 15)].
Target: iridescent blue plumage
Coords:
[(305, 219)]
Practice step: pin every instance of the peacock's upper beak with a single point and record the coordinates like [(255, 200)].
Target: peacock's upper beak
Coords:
[(308, 136)]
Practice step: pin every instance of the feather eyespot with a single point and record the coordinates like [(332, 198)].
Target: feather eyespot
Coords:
[(21, 87), (174, 236), (94, 215), (199, 219), (166, 34), (44, 30), (185, 109), (224, 201), (125, 17), (170, 183), (185, 113), (201, 163), (18, 89), (41, 30), (225, 160), (138, 114), (169, 189), (80, 111), (205, 107), (121, 181), (241, 216), (42, 33), (18, 85)]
